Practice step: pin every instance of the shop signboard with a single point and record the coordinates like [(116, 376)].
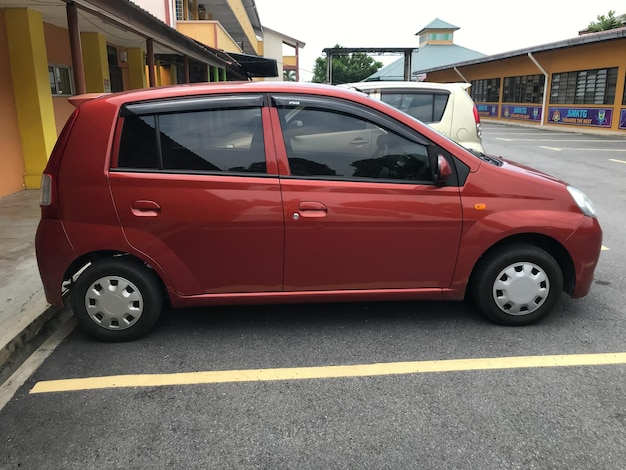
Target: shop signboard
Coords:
[(593, 117), (520, 112)]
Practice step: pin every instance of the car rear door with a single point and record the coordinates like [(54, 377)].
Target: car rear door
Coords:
[(361, 220), (197, 193)]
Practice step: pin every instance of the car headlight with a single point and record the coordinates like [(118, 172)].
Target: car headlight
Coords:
[(584, 203)]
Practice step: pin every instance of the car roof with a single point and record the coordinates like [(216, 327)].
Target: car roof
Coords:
[(382, 85), (177, 91)]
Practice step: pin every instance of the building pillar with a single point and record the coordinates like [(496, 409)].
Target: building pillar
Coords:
[(173, 69), (96, 62), (136, 68), (76, 48), (216, 74), (157, 68), (186, 68), (31, 87), (150, 57)]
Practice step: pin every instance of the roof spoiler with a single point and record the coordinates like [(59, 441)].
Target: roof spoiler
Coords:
[(77, 100)]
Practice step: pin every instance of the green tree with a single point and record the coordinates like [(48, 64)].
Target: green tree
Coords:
[(346, 68), (605, 23), (289, 75)]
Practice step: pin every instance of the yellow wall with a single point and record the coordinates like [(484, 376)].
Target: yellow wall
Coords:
[(31, 86), (11, 162), (290, 61), (95, 62), (137, 68), (209, 33), (242, 17)]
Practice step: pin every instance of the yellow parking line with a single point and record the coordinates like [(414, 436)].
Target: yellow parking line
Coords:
[(328, 372), (616, 160), (604, 248)]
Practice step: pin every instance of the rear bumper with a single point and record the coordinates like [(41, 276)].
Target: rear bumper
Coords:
[(584, 246), (54, 254)]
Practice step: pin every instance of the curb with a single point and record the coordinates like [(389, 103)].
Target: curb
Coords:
[(22, 345)]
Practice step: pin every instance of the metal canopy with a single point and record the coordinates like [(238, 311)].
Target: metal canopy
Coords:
[(342, 51)]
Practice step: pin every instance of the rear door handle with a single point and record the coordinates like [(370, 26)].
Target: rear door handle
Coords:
[(359, 141), (143, 208)]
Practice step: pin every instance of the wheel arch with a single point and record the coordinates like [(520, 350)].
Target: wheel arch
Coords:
[(77, 266), (549, 244)]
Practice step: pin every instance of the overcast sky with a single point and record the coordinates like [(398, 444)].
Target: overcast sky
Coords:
[(487, 26)]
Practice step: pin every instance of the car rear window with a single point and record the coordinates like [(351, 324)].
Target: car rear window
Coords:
[(428, 107), (220, 140)]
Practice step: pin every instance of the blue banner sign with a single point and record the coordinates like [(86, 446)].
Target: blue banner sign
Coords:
[(622, 119), (487, 110), (525, 113), (581, 116)]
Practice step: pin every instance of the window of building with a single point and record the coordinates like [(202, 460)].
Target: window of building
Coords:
[(440, 36), (485, 91), (180, 10), (329, 144), (624, 95), (584, 87), (523, 89), (220, 140), (61, 83)]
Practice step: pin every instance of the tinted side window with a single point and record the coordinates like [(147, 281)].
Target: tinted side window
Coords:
[(223, 140), (216, 140), (343, 146), (138, 145), (428, 107)]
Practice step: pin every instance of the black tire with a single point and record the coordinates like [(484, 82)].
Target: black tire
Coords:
[(517, 284), (132, 303)]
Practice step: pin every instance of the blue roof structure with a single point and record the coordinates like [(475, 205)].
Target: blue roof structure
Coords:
[(437, 24), (430, 55)]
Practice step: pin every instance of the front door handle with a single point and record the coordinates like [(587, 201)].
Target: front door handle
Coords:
[(310, 209), (143, 208)]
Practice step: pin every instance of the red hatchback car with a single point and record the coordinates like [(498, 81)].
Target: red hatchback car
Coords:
[(270, 192)]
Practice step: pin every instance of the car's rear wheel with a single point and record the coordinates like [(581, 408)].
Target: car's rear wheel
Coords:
[(517, 284), (117, 299)]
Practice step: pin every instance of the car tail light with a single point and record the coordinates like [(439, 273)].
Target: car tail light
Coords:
[(49, 198), (479, 130)]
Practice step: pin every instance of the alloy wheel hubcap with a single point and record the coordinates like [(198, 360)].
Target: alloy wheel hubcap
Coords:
[(114, 303), (521, 288)]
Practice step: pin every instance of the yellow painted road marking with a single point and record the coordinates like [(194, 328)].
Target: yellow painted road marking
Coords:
[(328, 372), (604, 248), (616, 160)]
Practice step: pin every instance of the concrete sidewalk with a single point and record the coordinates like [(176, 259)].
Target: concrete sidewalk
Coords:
[(23, 307)]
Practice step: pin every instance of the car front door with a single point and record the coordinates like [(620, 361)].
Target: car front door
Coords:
[(358, 219)]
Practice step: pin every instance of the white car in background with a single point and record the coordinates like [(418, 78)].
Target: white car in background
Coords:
[(447, 107)]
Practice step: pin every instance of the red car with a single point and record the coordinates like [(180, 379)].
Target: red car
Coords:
[(270, 192)]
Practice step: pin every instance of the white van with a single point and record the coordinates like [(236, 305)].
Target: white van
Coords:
[(447, 107)]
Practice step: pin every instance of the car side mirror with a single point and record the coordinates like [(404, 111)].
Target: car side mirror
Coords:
[(442, 172)]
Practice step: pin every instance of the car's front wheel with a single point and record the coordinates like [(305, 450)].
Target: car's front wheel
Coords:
[(117, 299), (517, 284)]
